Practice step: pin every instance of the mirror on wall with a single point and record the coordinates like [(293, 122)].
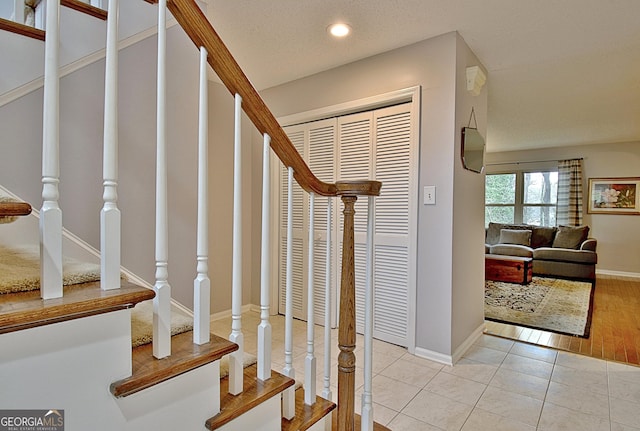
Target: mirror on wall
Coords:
[(472, 149)]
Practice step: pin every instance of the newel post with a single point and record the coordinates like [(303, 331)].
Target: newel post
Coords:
[(347, 325)]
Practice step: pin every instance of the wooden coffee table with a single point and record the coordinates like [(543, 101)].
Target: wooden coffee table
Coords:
[(511, 269)]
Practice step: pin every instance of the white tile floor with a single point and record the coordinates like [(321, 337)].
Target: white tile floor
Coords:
[(499, 385)]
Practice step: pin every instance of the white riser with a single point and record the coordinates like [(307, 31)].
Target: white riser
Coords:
[(264, 417), (183, 403)]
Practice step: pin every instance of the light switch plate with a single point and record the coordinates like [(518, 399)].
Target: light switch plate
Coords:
[(429, 195)]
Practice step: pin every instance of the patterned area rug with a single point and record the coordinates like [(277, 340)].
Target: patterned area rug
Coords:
[(550, 304)]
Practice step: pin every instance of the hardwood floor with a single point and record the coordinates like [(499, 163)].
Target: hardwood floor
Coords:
[(615, 325)]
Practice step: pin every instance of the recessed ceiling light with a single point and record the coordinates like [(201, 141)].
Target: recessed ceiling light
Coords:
[(339, 30)]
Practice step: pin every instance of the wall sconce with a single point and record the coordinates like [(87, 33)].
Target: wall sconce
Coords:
[(475, 79)]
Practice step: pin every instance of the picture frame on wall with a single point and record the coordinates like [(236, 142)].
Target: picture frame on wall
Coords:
[(614, 195)]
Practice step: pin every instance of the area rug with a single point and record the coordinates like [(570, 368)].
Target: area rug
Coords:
[(549, 304)]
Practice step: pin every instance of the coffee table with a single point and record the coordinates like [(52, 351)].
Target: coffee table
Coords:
[(511, 269)]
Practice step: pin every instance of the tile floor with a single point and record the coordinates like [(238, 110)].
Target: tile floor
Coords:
[(499, 385)]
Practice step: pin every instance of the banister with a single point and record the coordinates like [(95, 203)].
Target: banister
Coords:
[(199, 29)]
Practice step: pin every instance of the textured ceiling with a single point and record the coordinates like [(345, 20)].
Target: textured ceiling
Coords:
[(560, 72)]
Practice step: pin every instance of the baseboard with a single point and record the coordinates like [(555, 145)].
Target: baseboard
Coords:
[(460, 351), (434, 356), (466, 344), (227, 313), (622, 274)]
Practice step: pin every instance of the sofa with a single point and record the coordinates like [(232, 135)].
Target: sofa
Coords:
[(563, 251)]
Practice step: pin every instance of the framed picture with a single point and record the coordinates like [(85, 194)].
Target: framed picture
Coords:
[(614, 196)]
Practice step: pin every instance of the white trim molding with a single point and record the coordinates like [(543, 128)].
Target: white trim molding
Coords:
[(466, 344), (434, 356), (457, 355), (623, 274), (366, 104)]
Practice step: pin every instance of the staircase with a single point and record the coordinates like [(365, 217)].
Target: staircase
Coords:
[(71, 347)]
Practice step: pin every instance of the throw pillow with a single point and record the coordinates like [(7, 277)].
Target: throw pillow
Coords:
[(542, 236), (492, 235), (518, 237), (570, 237)]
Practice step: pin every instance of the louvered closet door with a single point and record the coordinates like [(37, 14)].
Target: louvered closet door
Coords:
[(322, 154), (392, 245), (316, 142), (369, 145), (377, 145), (355, 142), (298, 136)]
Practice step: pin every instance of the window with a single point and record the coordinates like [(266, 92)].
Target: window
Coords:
[(521, 197)]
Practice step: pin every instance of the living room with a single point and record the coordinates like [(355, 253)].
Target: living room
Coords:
[(615, 297)]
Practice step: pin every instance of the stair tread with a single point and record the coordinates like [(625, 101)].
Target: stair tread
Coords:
[(185, 356), (254, 393), (306, 416), (25, 310)]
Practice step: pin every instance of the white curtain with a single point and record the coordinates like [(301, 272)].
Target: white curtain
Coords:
[(569, 212)]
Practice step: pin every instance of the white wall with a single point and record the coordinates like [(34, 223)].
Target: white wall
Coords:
[(431, 64), (221, 121), (468, 212), (81, 35), (618, 235)]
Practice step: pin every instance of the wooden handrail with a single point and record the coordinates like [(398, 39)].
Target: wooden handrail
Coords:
[(199, 29)]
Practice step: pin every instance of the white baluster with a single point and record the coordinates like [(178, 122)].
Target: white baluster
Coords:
[(310, 359), (236, 358), (326, 390), (202, 283), (264, 329), (162, 300), (289, 396), (98, 3), (41, 14), (367, 402), (110, 215), (51, 214), (18, 11)]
